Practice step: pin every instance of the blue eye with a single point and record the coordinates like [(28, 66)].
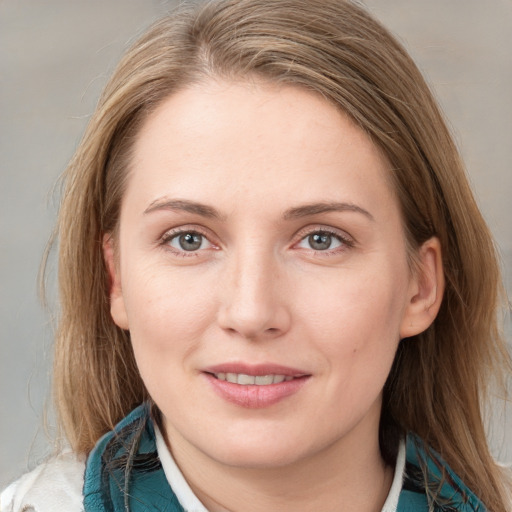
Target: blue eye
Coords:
[(321, 241), (189, 241)]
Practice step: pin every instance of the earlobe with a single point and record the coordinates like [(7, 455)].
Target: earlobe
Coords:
[(117, 306), (426, 290)]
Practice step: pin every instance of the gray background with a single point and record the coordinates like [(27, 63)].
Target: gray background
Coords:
[(55, 57)]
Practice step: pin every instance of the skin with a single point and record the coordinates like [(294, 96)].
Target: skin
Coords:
[(257, 290)]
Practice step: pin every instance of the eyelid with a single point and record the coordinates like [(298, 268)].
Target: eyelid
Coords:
[(347, 240), (169, 234)]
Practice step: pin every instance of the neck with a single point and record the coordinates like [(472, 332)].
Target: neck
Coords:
[(349, 475)]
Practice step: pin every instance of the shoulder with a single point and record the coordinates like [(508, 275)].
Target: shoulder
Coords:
[(54, 485)]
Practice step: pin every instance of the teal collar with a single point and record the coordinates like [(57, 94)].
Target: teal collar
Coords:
[(453, 495), (124, 473)]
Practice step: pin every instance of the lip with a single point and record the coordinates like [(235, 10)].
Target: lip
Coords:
[(256, 369), (254, 396)]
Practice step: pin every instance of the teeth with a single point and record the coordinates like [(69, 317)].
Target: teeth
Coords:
[(232, 377), (264, 380), (247, 380)]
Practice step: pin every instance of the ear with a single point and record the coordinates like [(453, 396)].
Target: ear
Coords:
[(117, 306), (426, 290)]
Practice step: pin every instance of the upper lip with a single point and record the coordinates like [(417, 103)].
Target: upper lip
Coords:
[(256, 369)]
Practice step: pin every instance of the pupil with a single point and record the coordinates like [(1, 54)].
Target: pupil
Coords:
[(190, 241), (320, 241)]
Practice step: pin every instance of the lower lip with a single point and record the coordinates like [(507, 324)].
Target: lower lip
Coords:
[(253, 396)]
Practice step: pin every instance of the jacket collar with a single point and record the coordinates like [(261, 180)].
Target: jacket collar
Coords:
[(123, 472)]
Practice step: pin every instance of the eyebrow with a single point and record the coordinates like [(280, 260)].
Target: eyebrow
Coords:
[(292, 213), (184, 205), (324, 207)]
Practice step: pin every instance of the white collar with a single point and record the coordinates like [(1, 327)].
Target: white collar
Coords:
[(188, 500), (396, 487)]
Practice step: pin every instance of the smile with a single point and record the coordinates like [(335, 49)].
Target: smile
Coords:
[(248, 380), (255, 386)]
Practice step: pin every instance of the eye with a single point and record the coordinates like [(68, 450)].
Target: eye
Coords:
[(188, 241), (323, 241)]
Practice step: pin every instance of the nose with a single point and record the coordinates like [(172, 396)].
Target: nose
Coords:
[(254, 304)]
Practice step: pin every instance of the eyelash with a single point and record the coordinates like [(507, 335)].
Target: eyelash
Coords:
[(345, 241), (169, 236)]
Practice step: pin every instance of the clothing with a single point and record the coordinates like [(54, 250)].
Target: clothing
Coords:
[(190, 502), (51, 487), (154, 482)]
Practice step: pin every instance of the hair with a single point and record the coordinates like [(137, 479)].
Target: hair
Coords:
[(440, 378)]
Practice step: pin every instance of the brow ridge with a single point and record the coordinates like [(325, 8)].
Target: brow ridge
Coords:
[(290, 214), (324, 207), (183, 205)]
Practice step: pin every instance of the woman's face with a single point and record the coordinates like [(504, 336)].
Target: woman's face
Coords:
[(262, 273)]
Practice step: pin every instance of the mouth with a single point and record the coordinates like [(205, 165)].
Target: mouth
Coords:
[(255, 386), (252, 380)]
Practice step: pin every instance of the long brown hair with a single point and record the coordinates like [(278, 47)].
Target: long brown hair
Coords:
[(440, 378)]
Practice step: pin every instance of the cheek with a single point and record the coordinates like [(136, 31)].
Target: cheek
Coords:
[(355, 320), (354, 302), (167, 315)]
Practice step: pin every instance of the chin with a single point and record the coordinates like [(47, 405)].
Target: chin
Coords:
[(256, 458), (264, 451)]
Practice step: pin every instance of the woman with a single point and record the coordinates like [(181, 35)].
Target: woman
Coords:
[(271, 279)]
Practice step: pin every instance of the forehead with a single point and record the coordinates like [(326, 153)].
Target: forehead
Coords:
[(250, 140)]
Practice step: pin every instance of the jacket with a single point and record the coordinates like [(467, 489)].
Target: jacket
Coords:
[(124, 470)]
